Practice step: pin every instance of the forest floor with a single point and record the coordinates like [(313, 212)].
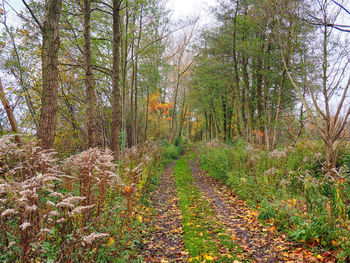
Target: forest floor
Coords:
[(164, 242), (257, 241)]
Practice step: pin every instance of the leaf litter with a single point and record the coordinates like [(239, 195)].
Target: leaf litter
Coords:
[(260, 243), (163, 240)]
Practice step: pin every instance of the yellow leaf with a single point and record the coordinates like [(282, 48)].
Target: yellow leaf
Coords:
[(208, 257), (139, 218), (110, 242)]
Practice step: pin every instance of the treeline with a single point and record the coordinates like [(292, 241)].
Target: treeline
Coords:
[(80, 73), (270, 70)]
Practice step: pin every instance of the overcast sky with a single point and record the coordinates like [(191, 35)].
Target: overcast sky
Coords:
[(183, 8)]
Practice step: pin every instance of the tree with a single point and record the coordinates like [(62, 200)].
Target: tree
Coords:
[(329, 125), (89, 76), (116, 107), (49, 59), (10, 114)]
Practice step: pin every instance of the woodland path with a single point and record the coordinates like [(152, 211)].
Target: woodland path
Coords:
[(164, 243), (259, 242)]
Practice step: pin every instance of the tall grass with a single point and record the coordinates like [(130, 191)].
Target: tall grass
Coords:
[(288, 186)]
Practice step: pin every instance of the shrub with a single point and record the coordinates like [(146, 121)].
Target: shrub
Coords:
[(288, 186)]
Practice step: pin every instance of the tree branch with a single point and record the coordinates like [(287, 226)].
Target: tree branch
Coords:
[(32, 14)]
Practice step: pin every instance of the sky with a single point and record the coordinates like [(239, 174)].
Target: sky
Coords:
[(183, 8)]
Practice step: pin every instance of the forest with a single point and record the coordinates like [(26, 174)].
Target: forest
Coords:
[(130, 134)]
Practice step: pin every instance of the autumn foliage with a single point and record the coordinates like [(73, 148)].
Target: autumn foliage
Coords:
[(162, 109)]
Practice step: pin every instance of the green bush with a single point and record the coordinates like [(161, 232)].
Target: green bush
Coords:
[(170, 152), (288, 186)]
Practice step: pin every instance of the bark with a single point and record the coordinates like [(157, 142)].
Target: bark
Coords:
[(89, 77), (238, 98), (10, 114), (265, 102), (206, 126), (224, 110), (116, 108), (183, 114), (217, 129), (210, 126), (246, 103), (125, 64), (279, 108), (173, 112), (146, 117), (136, 79), (259, 80), (49, 93), (132, 111)]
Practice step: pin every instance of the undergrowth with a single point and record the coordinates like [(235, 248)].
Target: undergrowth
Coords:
[(83, 208), (287, 185)]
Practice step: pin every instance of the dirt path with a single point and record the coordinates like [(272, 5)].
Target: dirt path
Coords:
[(260, 243), (164, 242)]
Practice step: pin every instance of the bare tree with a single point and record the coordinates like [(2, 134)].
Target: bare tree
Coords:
[(182, 65), (329, 124)]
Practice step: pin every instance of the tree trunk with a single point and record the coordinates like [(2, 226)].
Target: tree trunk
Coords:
[(136, 79), (224, 110), (172, 138), (21, 75), (146, 117), (238, 98), (89, 77), (279, 107), (124, 81), (183, 114), (217, 129), (49, 93), (116, 109), (247, 98), (206, 126), (10, 114)]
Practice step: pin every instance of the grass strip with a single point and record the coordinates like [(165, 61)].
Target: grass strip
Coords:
[(204, 237)]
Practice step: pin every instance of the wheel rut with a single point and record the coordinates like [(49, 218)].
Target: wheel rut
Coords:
[(260, 243), (164, 241)]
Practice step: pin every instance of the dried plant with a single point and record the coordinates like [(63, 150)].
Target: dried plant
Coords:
[(64, 204), (94, 171)]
